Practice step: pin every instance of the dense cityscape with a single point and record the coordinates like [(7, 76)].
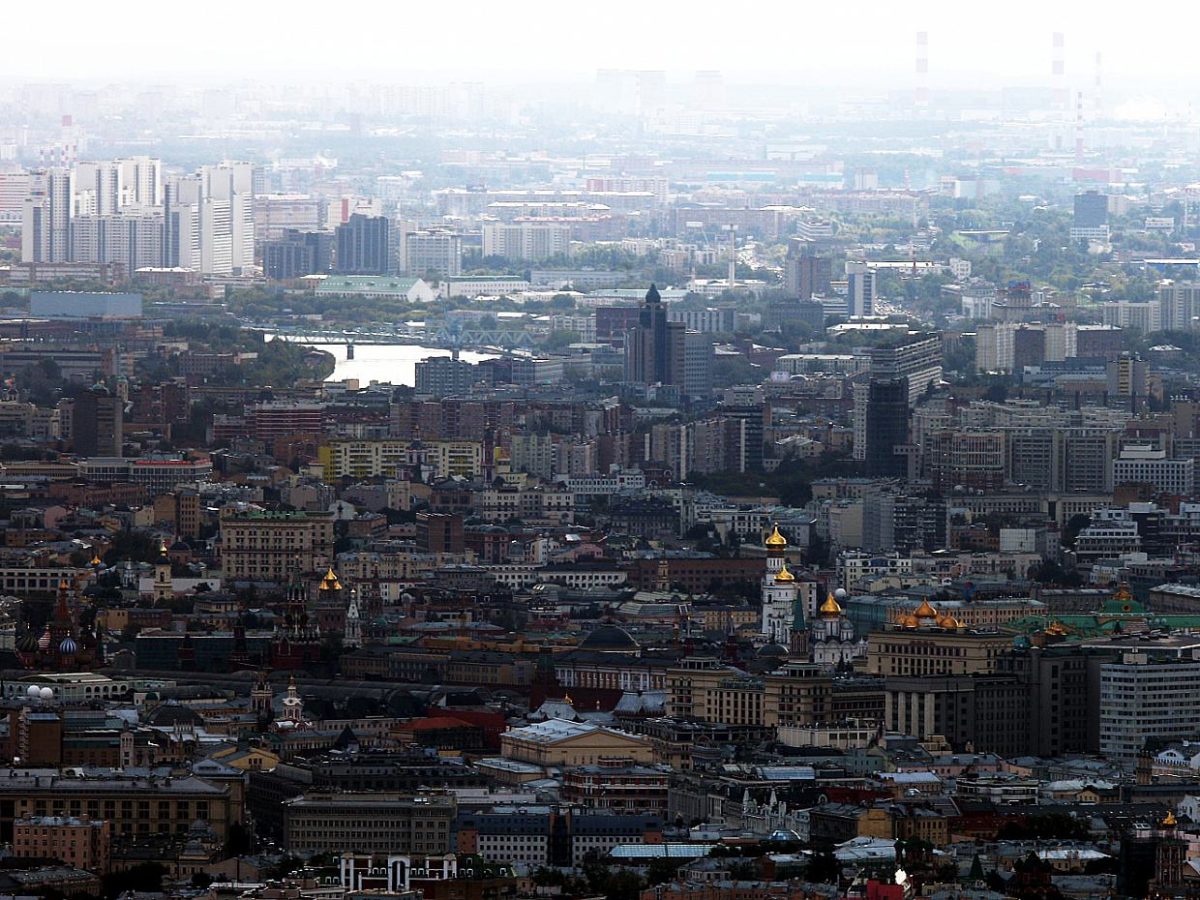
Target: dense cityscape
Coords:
[(669, 486)]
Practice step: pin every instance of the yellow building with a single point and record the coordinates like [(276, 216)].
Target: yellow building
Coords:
[(927, 642), (362, 458), (703, 688), (557, 742)]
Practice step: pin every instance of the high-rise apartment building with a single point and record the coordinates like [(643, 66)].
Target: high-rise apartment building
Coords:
[(860, 289), (132, 239), (526, 240), (46, 217), (209, 220), (806, 274), (432, 252)]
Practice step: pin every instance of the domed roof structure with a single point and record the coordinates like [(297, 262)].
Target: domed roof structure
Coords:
[(772, 650), (783, 576), (925, 611), (68, 646), (27, 643), (775, 540), (609, 639), (330, 582), (830, 607), (910, 621), (44, 641)]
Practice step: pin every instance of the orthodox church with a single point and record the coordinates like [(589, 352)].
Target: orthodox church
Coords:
[(66, 645), (832, 640), (786, 602), (779, 593)]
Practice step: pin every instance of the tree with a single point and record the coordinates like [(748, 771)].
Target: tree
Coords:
[(824, 868)]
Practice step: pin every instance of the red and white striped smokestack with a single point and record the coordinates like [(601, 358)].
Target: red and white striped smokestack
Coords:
[(1058, 71), (921, 94)]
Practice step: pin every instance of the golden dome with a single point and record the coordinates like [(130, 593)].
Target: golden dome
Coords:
[(831, 607), (1056, 629), (330, 581), (775, 540), (783, 576), (1122, 593), (910, 621), (96, 561), (1169, 820), (925, 611), (948, 622)]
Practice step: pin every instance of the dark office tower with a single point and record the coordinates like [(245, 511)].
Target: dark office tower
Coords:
[(805, 273), (362, 246), (96, 423), (887, 428), (1091, 210), (655, 348), (297, 253), (744, 438), (1029, 348)]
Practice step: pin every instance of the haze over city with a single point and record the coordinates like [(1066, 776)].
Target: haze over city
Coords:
[(635, 451)]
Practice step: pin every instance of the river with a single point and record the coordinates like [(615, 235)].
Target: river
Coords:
[(387, 362)]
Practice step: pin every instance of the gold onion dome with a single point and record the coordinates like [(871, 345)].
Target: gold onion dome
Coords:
[(775, 539), (948, 622), (925, 611), (330, 581), (910, 621), (831, 607), (1169, 820), (783, 576)]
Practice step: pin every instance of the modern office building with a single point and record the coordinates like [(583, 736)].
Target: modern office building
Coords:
[(887, 415), (1147, 464), (97, 421), (1143, 698), (1090, 220), (297, 253), (916, 356), (363, 246), (655, 348)]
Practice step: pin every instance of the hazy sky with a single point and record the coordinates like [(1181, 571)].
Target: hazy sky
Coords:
[(802, 40)]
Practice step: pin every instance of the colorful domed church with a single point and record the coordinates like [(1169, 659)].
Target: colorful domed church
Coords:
[(65, 645)]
